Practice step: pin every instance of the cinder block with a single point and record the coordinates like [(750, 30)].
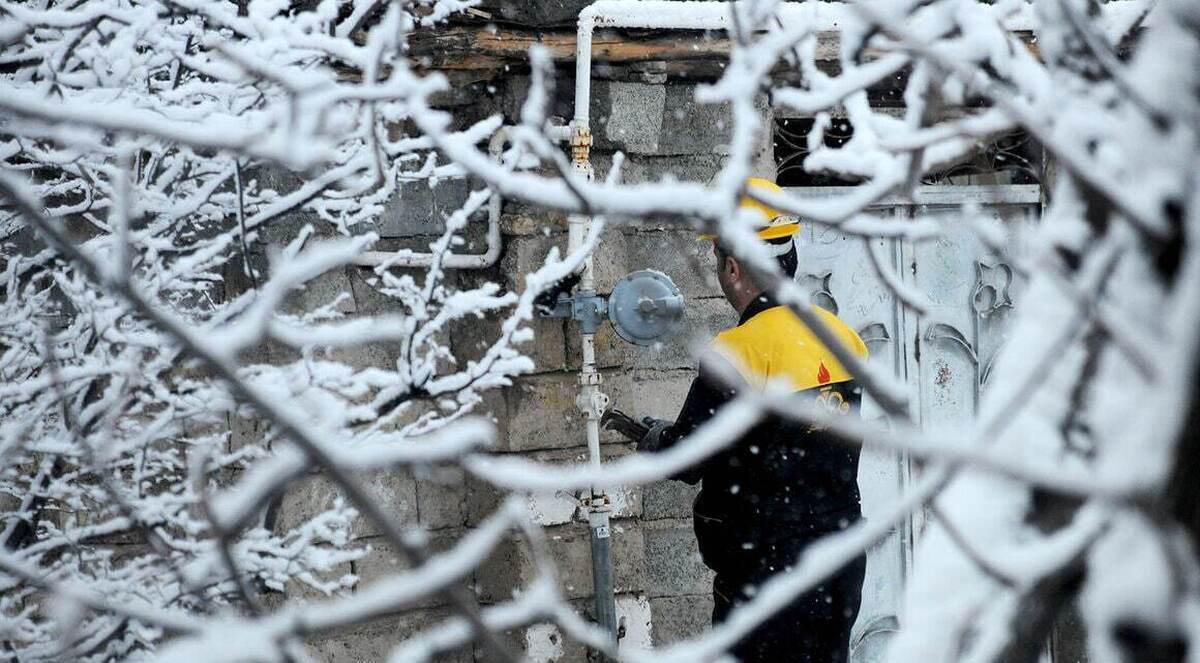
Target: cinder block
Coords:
[(689, 127), (611, 350), (505, 571), (548, 347), (384, 560), (280, 231), (441, 498), (470, 99), (531, 222), (420, 207), (641, 168), (494, 407), (327, 288), (128, 553), (234, 279), (688, 262), (246, 430), (702, 320), (341, 578), (516, 88), (365, 286), (471, 337), (673, 564), (10, 503), (525, 254), (272, 176), (660, 394), (375, 640), (65, 517), (558, 508), (668, 499), (368, 355), (628, 116), (482, 499), (622, 396), (394, 491), (511, 566), (677, 618), (610, 259), (542, 413)]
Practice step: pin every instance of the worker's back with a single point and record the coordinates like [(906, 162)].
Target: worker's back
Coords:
[(784, 475), (774, 345)]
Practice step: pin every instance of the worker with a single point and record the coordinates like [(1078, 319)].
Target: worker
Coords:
[(785, 483)]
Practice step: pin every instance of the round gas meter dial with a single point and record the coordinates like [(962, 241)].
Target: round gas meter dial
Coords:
[(645, 306)]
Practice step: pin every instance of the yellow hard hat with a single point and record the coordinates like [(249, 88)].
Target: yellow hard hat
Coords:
[(774, 224)]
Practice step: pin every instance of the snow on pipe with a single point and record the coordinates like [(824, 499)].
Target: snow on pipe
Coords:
[(692, 15), (452, 260), (669, 15), (660, 14), (633, 14)]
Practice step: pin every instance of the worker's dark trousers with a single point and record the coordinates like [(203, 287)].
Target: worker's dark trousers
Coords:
[(813, 629)]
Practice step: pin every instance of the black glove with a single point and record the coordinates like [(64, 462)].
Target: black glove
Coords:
[(546, 300), (652, 441)]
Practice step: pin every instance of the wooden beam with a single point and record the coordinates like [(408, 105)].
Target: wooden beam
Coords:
[(475, 47)]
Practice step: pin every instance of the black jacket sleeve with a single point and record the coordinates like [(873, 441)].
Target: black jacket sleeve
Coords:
[(706, 396)]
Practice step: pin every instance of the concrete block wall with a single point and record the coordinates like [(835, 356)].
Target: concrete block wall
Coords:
[(664, 591)]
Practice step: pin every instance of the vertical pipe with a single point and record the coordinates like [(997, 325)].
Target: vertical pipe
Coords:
[(591, 400), (602, 580), (583, 67), (578, 227)]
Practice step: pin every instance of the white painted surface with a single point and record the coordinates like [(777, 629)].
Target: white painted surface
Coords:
[(543, 643), (633, 621), (943, 356)]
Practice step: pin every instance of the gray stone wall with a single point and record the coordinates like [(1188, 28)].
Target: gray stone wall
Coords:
[(664, 592)]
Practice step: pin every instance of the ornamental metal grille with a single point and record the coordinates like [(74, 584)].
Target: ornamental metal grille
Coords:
[(1010, 158)]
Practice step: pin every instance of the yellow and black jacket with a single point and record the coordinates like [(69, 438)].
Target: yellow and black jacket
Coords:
[(785, 482)]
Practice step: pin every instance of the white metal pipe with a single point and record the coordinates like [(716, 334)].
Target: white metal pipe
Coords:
[(583, 68), (692, 15), (559, 133), (578, 227), (666, 15), (483, 260), (592, 392), (590, 380)]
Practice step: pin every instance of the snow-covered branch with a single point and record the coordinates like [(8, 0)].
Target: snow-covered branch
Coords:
[(179, 178)]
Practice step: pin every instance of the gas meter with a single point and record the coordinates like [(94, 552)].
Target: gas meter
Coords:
[(644, 306)]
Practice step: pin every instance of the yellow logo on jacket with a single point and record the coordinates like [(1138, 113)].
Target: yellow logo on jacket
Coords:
[(775, 345)]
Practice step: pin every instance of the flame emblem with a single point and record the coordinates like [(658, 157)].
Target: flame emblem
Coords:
[(822, 374)]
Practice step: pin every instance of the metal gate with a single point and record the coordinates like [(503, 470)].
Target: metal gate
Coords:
[(945, 356)]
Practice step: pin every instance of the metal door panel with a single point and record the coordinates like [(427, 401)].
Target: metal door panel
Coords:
[(944, 356), (946, 335), (837, 271)]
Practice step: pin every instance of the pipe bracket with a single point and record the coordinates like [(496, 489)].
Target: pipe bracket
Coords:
[(591, 310), (587, 308)]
